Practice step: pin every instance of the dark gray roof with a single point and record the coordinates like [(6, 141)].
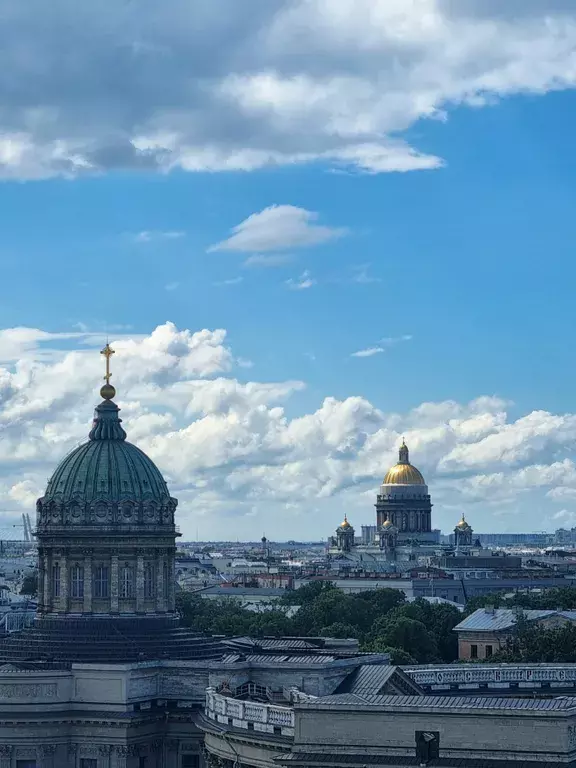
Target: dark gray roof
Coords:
[(239, 592), (268, 658), (361, 758), (271, 643), (371, 679), (504, 618), (451, 702)]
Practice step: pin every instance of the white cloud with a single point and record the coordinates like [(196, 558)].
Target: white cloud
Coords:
[(229, 281), (230, 447), (382, 346), (268, 260), (277, 228), (302, 283), (294, 81), (147, 236), (368, 352)]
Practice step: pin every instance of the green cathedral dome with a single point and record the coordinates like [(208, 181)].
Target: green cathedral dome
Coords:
[(107, 467)]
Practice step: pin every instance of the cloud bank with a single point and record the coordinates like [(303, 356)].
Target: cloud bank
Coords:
[(219, 85), (237, 461)]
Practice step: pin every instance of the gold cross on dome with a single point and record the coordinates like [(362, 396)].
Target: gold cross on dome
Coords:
[(107, 352)]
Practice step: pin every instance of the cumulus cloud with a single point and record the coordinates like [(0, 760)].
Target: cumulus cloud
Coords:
[(277, 228), (368, 352), (235, 451), (238, 86)]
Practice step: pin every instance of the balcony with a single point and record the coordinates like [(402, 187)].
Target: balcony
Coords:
[(250, 715)]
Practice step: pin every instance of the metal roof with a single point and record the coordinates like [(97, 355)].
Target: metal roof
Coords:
[(271, 659), (453, 702), (362, 758), (370, 679), (504, 618)]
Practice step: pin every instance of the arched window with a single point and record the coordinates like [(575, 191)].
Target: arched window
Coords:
[(101, 581), (77, 581), (127, 581), (149, 573), (55, 580)]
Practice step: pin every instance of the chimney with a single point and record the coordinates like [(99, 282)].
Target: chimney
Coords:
[(489, 609)]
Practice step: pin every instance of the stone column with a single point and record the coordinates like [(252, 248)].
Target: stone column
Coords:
[(64, 581), (47, 581), (114, 585), (47, 752), (171, 585), (140, 584), (122, 756), (6, 755), (88, 581), (72, 755), (105, 750), (160, 602)]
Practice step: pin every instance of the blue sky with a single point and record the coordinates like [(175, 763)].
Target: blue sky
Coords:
[(474, 260), (459, 277)]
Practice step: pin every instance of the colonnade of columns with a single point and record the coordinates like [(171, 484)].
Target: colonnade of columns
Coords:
[(55, 589)]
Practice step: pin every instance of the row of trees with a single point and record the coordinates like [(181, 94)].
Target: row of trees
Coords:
[(382, 620)]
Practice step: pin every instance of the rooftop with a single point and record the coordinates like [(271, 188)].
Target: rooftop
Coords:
[(499, 619)]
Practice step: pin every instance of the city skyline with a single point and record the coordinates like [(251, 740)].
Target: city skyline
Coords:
[(343, 228)]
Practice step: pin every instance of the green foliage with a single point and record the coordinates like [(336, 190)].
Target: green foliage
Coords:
[(30, 585), (550, 599), (532, 643), (382, 620)]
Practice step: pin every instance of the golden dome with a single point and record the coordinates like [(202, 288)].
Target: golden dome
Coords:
[(462, 524), (403, 473), (345, 523), (387, 524)]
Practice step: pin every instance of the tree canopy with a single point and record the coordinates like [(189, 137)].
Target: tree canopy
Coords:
[(382, 620)]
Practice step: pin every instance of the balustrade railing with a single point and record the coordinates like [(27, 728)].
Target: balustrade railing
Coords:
[(493, 674), (266, 718)]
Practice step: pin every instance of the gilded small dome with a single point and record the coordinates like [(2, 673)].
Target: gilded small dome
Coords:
[(345, 524), (387, 524), (463, 525), (403, 473)]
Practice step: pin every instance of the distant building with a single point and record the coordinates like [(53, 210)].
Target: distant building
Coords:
[(487, 630)]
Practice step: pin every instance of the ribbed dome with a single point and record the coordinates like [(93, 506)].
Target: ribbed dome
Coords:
[(107, 468), (403, 473)]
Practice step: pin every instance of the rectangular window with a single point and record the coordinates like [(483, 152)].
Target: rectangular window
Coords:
[(190, 761), (127, 581), (149, 574), (488, 651), (473, 651), (88, 762), (25, 763), (77, 581), (143, 762), (101, 581), (56, 580)]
